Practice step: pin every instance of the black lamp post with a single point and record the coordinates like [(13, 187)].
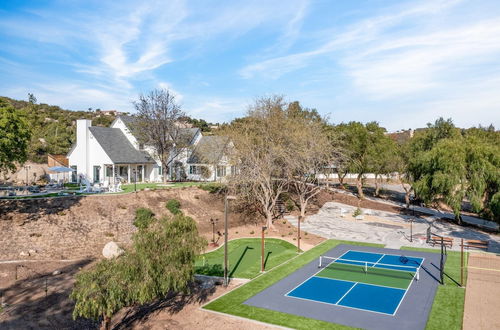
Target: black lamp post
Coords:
[(213, 222), (135, 180), (262, 250), (226, 201)]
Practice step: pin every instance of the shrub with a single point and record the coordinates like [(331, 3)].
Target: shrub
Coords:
[(252, 232), (210, 270), (143, 217), (173, 205), (213, 188), (357, 212), (290, 205)]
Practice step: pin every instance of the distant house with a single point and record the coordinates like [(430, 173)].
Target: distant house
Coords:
[(113, 153)]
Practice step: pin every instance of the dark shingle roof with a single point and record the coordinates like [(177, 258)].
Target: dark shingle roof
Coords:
[(117, 146), (126, 119), (209, 150)]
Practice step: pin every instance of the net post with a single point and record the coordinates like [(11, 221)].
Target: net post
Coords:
[(417, 274), (320, 259), (366, 267)]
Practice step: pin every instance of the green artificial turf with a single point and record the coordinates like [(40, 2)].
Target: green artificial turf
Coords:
[(245, 257), (377, 276), (232, 303), (448, 307)]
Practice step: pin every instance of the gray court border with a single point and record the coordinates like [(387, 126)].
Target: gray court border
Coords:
[(412, 313)]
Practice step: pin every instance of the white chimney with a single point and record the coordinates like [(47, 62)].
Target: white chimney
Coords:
[(82, 140)]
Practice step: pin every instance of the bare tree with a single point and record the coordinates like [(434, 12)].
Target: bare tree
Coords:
[(312, 155), (157, 126), (262, 151)]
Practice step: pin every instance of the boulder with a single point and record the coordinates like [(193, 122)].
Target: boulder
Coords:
[(112, 250), (24, 254)]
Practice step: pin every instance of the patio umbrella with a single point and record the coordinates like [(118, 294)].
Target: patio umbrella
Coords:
[(60, 169)]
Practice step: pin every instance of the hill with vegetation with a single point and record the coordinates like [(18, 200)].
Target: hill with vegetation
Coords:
[(53, 129)]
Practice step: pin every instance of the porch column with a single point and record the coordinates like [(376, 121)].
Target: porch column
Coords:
[(143, 172), (113, 174), (128, 172)]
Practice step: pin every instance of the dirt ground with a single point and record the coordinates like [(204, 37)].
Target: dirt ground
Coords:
[(28, 305), (482, 295)]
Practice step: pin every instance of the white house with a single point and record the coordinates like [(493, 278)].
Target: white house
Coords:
[(111, 154)]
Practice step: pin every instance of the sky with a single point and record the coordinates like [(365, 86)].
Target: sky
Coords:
[(401, 63)]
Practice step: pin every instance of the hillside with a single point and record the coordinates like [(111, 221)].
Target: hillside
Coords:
[(53, 128)]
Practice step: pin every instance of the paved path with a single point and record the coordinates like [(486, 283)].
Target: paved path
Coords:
[(481, 223), (334, 220)]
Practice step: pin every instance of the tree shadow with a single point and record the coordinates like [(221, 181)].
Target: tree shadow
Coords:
[(236, 265), (31, 306), (267, 257), (172, 303)]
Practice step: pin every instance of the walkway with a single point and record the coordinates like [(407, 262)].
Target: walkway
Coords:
[(335, 220), (481, 223)]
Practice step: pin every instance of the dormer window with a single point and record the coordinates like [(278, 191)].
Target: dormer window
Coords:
[(141, 146)]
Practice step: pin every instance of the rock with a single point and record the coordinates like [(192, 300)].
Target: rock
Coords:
[(56, 272), (24, 254), (32, 252), (112, 250)]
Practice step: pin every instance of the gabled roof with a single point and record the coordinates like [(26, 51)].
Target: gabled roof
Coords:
[(209, 150), (187, 134), (116, 145)]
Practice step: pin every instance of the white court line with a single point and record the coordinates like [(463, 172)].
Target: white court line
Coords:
[(407, 289), (342, 306), (382, 286), (345, 294), (378, 260)]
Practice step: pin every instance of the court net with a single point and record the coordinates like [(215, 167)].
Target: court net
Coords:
[(407, 272)]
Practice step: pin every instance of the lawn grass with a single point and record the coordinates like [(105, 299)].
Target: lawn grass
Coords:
[(232, 303), (245, 257), (448, 307), (129, 187)]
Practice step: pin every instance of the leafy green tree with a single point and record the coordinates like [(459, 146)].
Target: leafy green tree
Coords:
[(448, 165), (14, 137), (362, 142), (160, 261), (101, 291), (382, 155)]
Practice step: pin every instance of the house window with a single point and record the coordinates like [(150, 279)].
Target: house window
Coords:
[(109, 171), (221, 171), (193, 169), (233, 170), (141, 146), (74, 174), (160, 170)]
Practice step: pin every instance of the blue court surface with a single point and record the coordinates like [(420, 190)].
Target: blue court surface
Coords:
[(369, 281)]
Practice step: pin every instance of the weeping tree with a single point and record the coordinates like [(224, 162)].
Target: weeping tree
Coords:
[(161, 261), (449, 165), (157, 126)]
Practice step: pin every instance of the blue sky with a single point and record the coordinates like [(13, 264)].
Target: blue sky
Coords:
[(401, 63)]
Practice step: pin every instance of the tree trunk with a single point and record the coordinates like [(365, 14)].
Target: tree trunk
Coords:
[(269, 220), (359, 185), (377, 187), (407, 199), (303, 211), (106, 322), (341, 180)]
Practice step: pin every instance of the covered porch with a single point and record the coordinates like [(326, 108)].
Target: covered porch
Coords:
[(124, 173)]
